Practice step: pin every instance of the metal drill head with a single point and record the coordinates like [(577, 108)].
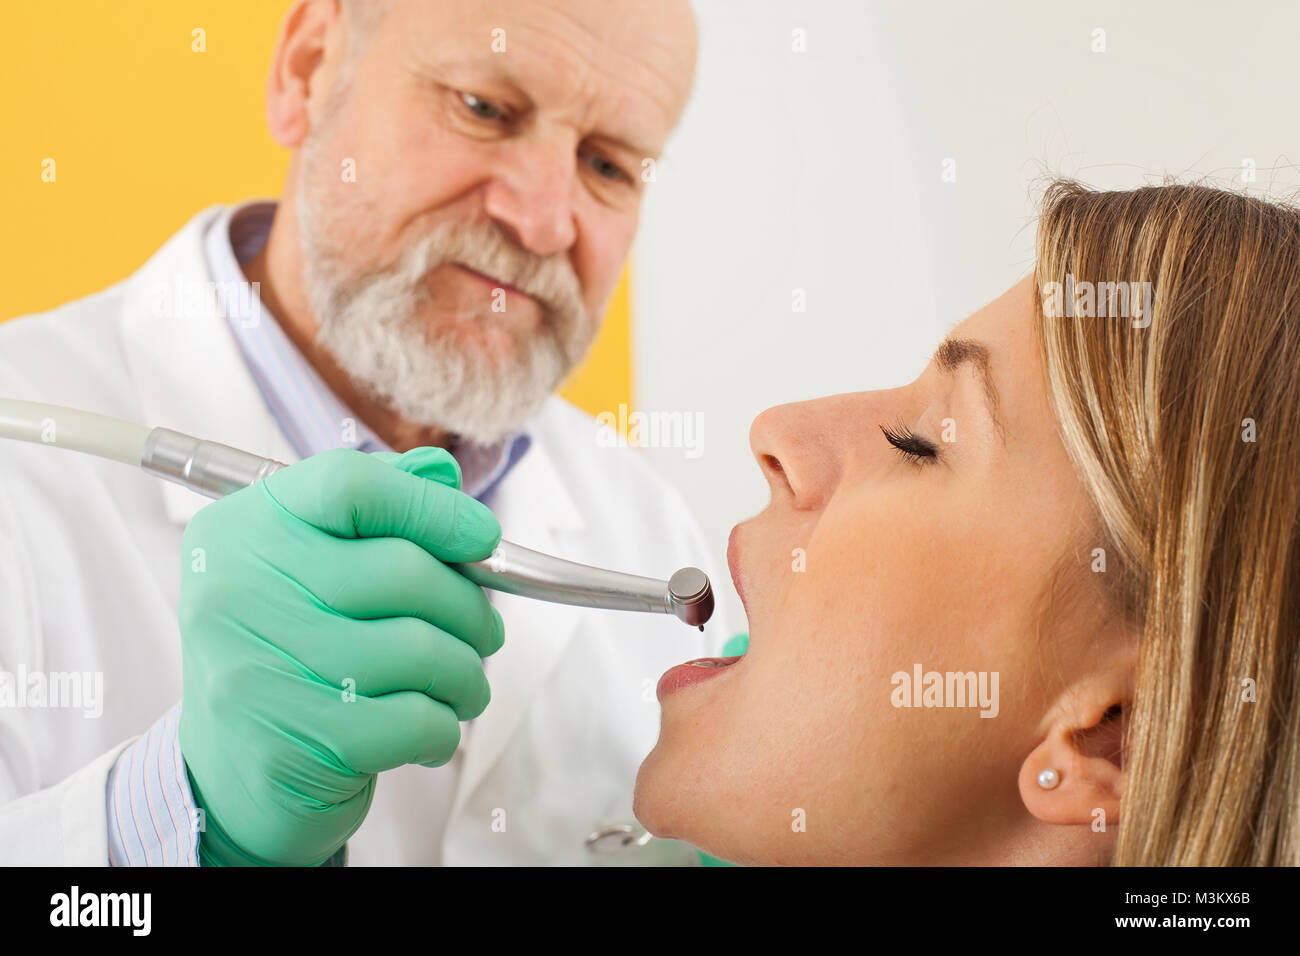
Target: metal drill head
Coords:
[(691, 595)]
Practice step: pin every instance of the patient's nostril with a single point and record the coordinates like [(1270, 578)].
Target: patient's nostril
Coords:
[(775, 474)]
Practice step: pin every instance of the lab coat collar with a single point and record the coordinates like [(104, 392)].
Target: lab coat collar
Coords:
[(187, 369)]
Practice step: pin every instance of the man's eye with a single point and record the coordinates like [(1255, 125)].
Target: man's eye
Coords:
[(604, 168), (482, 108)]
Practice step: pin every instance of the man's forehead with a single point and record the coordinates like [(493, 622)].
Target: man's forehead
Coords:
[(630, 60)]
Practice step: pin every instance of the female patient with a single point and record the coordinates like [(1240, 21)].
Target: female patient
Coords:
[(1041, 605)]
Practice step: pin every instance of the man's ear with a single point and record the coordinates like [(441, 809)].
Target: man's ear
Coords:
[(308, 55), (1084, 745)]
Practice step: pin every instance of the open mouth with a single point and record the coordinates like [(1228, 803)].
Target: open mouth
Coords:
[(712, 662), (693, 672)]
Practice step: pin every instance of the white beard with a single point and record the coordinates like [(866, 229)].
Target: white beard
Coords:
[(430, 374)]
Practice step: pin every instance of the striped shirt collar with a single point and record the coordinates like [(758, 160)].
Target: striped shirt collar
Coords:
[(311, 416)]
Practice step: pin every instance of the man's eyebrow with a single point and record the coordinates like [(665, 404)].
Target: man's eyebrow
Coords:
[(953, 353)]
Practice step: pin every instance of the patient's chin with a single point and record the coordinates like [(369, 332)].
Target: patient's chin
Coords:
[(675, 797), (672, 812), (660, 802), (645, 805)]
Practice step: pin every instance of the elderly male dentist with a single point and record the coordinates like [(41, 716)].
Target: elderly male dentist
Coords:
[(292, 675)]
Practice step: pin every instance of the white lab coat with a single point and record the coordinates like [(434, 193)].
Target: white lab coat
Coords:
[(90, 570)]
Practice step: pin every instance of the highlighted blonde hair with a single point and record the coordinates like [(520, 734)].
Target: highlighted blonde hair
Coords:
[(1204, 521)]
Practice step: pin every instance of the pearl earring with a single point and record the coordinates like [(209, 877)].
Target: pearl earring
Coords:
[(1048, 779)]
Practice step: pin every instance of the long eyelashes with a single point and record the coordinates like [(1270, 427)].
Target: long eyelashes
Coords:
[(914, 449)]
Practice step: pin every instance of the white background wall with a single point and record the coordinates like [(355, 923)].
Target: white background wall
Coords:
[(821, 171)]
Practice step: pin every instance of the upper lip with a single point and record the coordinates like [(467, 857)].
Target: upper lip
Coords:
[(733, 565)]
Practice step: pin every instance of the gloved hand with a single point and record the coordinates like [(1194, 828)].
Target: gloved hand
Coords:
[(323, 641)]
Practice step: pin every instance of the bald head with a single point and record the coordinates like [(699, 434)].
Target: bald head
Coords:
[(676, 17)]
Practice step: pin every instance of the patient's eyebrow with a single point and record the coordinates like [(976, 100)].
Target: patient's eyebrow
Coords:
[(953, 353)]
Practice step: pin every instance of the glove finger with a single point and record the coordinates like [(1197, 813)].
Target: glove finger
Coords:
[(374, 578), (375, 658), (349, 494), (435, 464), (374, 734)]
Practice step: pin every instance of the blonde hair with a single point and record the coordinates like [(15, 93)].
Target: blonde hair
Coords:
[(1187, 435)]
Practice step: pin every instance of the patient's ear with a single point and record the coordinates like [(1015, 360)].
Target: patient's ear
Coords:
[(1084, 745)]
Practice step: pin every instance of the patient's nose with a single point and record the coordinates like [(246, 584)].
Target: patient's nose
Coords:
[(797, 450)]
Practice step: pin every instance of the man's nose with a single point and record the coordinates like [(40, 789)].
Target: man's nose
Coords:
[(532, 196), (797, 450)]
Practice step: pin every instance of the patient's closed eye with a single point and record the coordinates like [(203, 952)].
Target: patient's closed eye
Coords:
[(914, 449)]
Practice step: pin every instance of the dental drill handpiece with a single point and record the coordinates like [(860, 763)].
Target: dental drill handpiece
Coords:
[(216, 470)]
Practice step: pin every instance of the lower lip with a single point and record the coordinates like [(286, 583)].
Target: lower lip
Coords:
[(684, 675)]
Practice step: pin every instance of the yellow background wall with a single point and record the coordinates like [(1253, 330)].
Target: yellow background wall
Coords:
[(145, 133)]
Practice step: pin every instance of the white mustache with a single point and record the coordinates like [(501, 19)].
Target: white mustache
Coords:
[(548, 279)]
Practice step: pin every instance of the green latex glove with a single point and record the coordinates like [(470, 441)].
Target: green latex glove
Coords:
[(324, 641), (736, 645)]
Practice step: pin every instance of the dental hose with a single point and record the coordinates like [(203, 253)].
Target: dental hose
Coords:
[(215, 470)]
